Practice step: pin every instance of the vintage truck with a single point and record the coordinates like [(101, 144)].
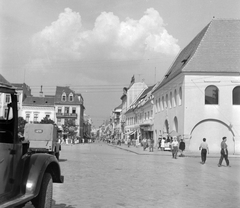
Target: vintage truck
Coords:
[(24, 176), (43, 138)]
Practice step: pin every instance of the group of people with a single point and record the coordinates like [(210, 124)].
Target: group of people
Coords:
[(224, 152), (148, 143)]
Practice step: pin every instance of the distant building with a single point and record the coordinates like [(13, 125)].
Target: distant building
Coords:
[(69, 105), (34, 109), (23, 91)]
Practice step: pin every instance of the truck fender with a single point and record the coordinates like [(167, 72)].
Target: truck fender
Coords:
[(35, 167)]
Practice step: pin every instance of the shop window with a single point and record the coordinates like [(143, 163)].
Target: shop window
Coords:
[(211, 95), (236, 96)]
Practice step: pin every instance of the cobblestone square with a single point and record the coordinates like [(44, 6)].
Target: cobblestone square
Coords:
[(101, 176)]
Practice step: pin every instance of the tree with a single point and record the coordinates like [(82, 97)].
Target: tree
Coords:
[(69, 127), (21, 124), (46, 120)]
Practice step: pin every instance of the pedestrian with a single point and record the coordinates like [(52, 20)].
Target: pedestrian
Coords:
[(204, 150), (224, 152), (128, 142), (163, 143), (159, 142), (174, 147), (182, 147), (144, 143), (151, 145)]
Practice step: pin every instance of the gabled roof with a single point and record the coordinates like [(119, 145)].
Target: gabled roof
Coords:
[(39, 101), (145, 92), (67, 90), (4, 82), (118, 109), (216, 49)]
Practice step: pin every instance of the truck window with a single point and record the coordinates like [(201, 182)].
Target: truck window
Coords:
[(6, 120)]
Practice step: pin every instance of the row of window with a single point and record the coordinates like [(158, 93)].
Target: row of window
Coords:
[(65, 98), (212, 95), (140, 118), (35, 117), (169, 100), (66, 110)]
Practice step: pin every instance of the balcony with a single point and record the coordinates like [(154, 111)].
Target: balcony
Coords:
[(66, 115)]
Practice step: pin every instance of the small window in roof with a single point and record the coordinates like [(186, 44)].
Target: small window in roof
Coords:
[(64, 96), (70, 98)]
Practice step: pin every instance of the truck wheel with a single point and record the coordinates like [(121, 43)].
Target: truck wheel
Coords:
[(44, 198), (57, 155)]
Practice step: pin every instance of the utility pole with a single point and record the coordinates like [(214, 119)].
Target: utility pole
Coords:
[(155, 75)]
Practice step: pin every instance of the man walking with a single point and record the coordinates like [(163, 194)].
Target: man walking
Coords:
[(204, 150), (224, 153), (174, 147)]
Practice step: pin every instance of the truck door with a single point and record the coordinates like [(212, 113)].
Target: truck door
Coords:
[(7, 153)]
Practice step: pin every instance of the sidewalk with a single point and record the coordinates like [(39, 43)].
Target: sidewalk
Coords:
[(139, 150)]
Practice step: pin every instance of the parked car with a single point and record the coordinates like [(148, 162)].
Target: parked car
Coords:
[(24, 176), (43, 138)]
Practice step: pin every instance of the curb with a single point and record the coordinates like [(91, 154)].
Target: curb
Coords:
[(159, 154)]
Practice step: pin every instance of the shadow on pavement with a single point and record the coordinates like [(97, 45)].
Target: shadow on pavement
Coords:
[(62, 160), (54, 205)]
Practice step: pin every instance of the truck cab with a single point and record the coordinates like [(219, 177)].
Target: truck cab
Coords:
[(24, 176)]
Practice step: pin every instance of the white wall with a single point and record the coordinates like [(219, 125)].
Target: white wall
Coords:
[(211, 121)]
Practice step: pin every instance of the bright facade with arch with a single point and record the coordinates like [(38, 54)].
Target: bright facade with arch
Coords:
[(204, 81)]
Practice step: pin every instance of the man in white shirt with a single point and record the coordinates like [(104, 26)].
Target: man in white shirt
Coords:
[(174, 147), (204, 150)]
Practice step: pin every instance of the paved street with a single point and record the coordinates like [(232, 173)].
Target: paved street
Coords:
[(98, 175)]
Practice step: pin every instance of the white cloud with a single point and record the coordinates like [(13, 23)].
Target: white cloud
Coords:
[(110, 38)]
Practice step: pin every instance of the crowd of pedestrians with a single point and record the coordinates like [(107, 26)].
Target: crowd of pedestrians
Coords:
[(177, 147)]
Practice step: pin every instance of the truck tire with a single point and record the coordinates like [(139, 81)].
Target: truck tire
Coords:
[(44, 198)]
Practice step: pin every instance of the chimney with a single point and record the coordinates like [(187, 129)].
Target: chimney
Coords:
[(41, 92)]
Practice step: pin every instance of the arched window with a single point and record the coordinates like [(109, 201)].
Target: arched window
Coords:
[(156, 104), (159, 104), (236, 96), (180, 96), (170, 103), (211, 95), (175, 98), (166, 100), (163, 104)]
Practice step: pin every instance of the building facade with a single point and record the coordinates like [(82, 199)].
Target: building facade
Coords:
[(69, 105), (200, 95)]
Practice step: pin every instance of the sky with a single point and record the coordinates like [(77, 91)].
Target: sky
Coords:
[(96, 46)]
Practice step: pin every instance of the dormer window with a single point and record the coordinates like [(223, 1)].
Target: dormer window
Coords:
[(64, 96), (70, 97)]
